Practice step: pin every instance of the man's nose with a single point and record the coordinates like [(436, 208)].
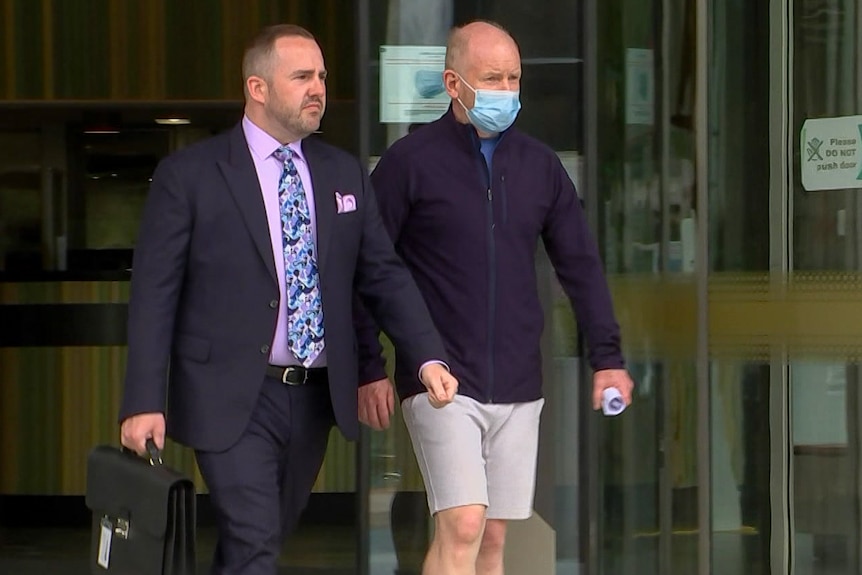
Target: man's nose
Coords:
[(318, 87)]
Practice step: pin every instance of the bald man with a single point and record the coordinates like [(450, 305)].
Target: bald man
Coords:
[(466, 200)]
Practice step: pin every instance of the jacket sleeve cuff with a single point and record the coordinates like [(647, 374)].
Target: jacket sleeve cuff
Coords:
[(372, 364), (609, 364), (371, 371), (427, 363)]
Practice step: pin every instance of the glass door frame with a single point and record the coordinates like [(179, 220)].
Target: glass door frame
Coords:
[(589, 428), (363, 448), (591, 493), (783, 213), (780, 264)]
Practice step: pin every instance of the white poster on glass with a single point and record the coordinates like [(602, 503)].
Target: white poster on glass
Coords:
[(411, 84), (831, 157), (640, 87)]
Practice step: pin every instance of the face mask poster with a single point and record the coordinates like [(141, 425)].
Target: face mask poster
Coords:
[(411, 84), (831, 158)]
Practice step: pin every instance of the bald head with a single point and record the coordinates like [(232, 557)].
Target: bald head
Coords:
[(480, 56), (477, 39)]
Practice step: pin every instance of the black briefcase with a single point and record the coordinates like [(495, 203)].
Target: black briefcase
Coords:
[(143, 514)]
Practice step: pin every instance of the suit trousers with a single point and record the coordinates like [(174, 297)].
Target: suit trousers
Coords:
[(260, 485)]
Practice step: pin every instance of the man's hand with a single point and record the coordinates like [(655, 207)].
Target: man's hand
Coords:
[(606, 378), (376, 404), (440, 384), (138, 428)]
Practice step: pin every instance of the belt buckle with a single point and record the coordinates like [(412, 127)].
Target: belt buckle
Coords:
[(288, 370)]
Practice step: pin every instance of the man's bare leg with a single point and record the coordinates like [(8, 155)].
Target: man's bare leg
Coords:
[(456, 542), (490, 559)]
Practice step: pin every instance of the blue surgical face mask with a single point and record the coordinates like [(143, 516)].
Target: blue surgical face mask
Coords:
[(493, 111)]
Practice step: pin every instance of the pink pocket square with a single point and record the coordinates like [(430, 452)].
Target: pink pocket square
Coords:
[(345, 203)]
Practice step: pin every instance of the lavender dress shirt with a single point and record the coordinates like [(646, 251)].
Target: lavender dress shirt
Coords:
[(262, 146)]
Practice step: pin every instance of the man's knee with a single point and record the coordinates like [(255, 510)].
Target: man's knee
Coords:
[(494, 537), (461, 526)]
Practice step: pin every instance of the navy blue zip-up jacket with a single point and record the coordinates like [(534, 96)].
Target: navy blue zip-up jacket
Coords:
[(470, 238)]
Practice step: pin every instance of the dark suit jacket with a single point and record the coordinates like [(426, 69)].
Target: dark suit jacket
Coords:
[(204, 294)]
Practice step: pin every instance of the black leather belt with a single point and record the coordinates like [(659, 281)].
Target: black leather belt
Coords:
[(297, 375)]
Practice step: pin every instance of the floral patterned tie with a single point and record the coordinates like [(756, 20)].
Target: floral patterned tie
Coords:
[(302, 280)]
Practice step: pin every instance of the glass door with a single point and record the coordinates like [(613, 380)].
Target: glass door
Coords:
[(642, 182), (746, 262), (784, 286), (826, 259), (396, 35)]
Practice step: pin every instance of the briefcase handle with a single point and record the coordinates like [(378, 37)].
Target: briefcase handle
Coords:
[(153, 451), (155, 456)]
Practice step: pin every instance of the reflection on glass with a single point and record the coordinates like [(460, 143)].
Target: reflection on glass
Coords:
[(827, 225), (825, 436), (630, 208), (739, 104), (20, 202), (739, 244), (827, 257), (646, 211), (400, 521), (740, 466), (116, 180)]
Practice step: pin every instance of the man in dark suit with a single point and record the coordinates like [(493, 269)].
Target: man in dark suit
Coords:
[(240, 317)]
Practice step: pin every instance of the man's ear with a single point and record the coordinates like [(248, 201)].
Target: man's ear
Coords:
[(450, 82), (257, 88)]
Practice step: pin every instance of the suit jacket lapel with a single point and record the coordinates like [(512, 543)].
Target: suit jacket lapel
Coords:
[(243, 183), (320, 167)]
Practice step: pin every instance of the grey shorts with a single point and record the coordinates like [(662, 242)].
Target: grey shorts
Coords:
[(472, 453)]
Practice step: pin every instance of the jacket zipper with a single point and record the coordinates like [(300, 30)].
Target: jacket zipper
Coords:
[(492, 266), (492, 285), (505, 199)]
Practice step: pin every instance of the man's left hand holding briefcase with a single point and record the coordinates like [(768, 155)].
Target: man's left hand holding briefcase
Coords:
[(143, 514)]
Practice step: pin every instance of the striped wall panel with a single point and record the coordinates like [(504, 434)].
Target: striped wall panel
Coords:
[(154, 49), (56, 403)]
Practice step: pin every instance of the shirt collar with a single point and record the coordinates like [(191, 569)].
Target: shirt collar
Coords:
[(468, 132), (262, 145)]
